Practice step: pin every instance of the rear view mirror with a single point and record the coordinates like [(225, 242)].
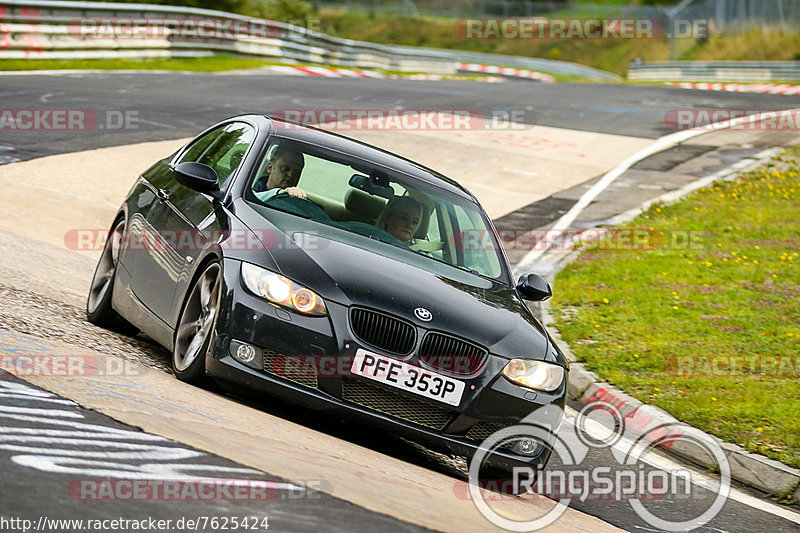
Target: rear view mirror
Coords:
[(197, 176), (376, 185), (534, 287)]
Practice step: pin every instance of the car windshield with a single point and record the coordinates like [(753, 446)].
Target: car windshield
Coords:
[(386, 207)]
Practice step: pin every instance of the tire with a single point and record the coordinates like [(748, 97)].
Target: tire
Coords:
[(194, 332), (98, 305)]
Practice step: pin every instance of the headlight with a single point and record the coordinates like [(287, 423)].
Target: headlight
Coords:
[(534, 374), (282, 291)]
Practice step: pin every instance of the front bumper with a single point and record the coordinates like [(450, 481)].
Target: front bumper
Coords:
[(306, 360)]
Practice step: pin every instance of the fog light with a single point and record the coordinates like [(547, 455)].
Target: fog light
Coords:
[(244, 353), (527, 446)]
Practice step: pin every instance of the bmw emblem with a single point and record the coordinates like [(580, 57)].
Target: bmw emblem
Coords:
[(423, 314)]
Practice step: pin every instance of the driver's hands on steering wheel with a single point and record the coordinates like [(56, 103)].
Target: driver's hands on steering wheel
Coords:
[(295, 192)]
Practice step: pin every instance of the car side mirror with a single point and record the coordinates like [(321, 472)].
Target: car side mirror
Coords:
[(534, 287), (197, 176)]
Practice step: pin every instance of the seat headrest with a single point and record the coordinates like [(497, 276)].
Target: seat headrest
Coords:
[(365, 206)]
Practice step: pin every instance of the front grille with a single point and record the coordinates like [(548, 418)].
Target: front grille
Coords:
[(383, 331), (396, 405), (483, 430), (291, 368), (451, 356)]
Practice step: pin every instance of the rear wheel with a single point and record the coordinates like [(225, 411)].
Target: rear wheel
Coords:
[(195, 326), (98, 305)]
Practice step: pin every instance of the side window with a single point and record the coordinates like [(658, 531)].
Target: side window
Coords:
[(222, 150), (201, 145)]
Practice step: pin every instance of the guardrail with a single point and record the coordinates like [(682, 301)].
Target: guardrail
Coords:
[(56, 30), (737, 71)]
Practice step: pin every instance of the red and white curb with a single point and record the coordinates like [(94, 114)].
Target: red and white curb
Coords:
[(327, 72), (506, 71), (763, 88)]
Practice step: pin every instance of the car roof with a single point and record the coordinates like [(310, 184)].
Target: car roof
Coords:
[(352, 147)]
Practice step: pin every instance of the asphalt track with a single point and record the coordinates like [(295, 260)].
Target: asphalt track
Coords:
[(627, 111), (175, 105)]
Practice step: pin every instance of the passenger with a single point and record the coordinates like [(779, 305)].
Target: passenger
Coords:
[(283, 173), (401, 218)]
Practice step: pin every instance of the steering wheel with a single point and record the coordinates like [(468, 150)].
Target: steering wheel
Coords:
[(299, 206)]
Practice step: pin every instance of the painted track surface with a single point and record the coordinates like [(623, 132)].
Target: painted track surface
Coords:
[(26, 270)]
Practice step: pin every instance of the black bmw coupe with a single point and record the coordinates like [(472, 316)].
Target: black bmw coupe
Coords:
[(277, 257)]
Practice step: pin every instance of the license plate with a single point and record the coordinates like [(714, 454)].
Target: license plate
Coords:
[(407, 377)]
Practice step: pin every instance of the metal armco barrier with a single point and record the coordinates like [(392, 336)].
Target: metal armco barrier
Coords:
[(738, 71), (55, 30)]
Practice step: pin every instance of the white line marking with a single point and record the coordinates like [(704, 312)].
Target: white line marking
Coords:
[(608, 178), (31, 398), (168, 126), (743, 165), (32, 411)]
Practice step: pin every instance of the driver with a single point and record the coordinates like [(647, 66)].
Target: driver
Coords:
[(283, 173)]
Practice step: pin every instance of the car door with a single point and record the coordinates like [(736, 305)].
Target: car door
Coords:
[(182, 219)]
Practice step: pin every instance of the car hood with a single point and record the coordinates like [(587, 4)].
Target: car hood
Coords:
[(341, 268)]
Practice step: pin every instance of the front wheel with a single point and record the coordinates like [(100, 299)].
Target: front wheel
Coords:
[(98, 305), (195, 326)]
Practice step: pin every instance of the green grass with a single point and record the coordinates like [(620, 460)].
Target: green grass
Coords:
[(199, 64), (735, 291), (606, 54)]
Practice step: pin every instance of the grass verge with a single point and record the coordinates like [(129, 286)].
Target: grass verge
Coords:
[(198, 64), (613, 55), (705, 323)]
